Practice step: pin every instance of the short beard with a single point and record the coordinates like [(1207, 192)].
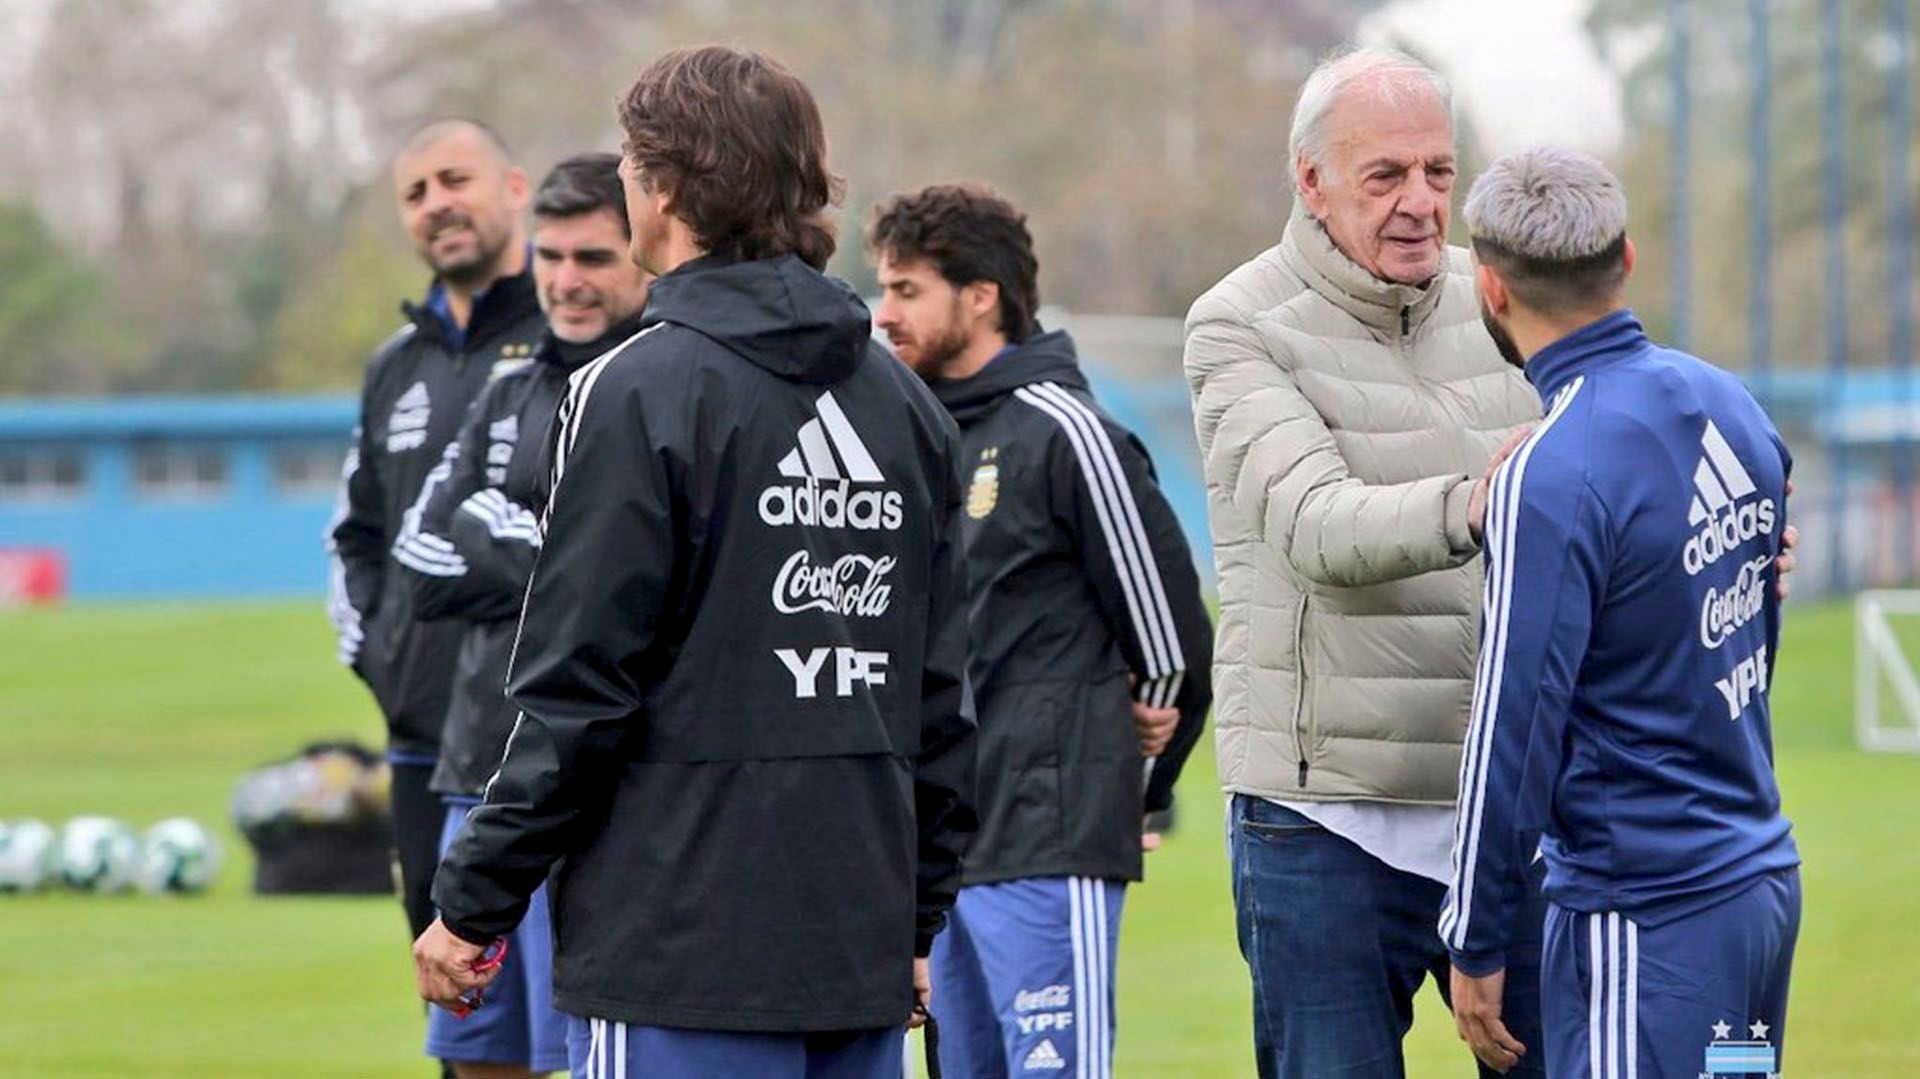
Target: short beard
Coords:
[(1502, 340), (939, 352), (475, 272)]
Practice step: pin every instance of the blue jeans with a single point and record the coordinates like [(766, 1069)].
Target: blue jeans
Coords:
[(1338, 943)]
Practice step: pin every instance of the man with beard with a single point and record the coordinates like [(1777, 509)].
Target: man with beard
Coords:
[(1091, 640), (468, 546), (461, 200), (744, 751), (1348, 404), (1630, 630)]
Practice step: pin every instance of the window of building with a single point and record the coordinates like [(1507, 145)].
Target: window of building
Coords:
[(308, 471), (179, 470), (41, 475)]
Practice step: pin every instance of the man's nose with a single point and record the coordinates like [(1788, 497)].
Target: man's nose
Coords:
[(1417, 198), (437, 199)]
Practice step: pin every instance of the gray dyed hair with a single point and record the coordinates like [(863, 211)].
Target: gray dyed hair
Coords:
[(1553, 224), (1547, 203), (1392, 76)]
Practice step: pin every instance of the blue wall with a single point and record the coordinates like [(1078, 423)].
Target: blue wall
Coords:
[(254, 537)]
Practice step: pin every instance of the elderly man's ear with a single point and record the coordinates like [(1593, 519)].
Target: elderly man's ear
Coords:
[(1308, 180)]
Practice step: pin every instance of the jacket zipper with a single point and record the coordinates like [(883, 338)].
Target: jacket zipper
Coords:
[(1300, 687), (1406, 319)]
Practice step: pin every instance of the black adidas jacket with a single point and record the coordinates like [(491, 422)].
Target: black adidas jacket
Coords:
[(468, 544), (416, 392), (1081, 582), (745, 750)]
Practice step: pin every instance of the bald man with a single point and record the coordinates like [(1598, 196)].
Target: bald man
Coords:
[(462, 201)]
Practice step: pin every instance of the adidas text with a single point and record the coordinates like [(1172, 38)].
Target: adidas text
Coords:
[(831, 504), (1726, 532)]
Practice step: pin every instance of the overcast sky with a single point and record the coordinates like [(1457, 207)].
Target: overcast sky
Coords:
[(1525, 70)]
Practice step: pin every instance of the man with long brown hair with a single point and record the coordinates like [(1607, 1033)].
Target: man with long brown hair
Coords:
[(744, 750)]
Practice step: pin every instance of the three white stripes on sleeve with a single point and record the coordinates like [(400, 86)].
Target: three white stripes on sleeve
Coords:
[(1126, 536)]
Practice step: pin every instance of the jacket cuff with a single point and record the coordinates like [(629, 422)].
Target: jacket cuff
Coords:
[(1479, 964), (469, 935), (1459, 538)]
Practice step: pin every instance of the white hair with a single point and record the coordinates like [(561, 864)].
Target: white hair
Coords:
[(1393, 77), (1547, 203)]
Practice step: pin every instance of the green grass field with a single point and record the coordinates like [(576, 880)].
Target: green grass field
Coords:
[(150, 711)]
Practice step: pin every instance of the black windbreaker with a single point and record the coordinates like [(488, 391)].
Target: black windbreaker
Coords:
[(1081, 583), (417, 391), (468, 544), (745, 750)]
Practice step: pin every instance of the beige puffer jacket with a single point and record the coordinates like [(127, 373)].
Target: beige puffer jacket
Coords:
[(1343, 421)]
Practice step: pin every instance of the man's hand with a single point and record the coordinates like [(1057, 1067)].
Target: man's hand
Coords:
[(1154, 727), (1149, 841), (1476, 1014), (1477, 498), (922, 992), (1783, 565), (444, 966)]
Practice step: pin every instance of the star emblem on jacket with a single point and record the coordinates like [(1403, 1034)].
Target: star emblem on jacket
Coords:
[(1722, 1029), (984, 492)]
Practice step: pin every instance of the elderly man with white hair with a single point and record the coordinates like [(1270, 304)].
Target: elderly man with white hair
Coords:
[(1349, 403), (1630, 630)]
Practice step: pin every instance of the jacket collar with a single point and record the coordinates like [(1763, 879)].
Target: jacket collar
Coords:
[(496, 308), (1386, 306), (1045, 357), (1601, 341)]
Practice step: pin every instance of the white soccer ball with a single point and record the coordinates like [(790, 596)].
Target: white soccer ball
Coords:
[(27, 855), (98, 854), (178, 856)]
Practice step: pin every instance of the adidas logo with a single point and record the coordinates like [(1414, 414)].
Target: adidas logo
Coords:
[(824, 467), (414, 398), (407, 426), (1724, 520), (1044, 1058)]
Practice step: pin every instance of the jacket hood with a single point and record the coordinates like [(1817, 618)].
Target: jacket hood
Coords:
[(1044, 357), (779, 314), (568, 355)]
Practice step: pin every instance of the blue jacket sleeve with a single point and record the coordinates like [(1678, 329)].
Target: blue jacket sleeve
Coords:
[(1547, 549)]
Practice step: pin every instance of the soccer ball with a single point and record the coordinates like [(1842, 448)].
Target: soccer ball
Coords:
[(98, 854), (26, 855), (178, 856)]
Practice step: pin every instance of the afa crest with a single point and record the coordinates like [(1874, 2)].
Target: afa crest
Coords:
[(984, 492)]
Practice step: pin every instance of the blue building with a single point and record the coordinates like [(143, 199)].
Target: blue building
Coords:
[(229, 496), (150, 497)]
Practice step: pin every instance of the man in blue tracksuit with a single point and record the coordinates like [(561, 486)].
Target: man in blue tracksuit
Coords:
[(1629, 636)]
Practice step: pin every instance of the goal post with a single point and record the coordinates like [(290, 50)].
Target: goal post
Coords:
[(1886, 700)]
